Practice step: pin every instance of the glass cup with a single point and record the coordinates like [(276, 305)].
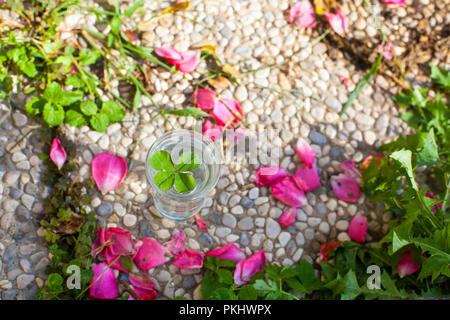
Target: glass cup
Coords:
[(182, 206)]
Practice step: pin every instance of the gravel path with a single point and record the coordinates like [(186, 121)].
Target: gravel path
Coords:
[(300, 99)]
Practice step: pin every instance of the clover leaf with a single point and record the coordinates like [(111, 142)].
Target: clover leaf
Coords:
[(179, 175)]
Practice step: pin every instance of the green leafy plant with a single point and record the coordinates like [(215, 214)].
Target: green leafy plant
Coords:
[(170, 174)]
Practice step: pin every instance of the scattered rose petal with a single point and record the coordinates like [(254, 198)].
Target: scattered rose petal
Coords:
[(145, 294), (305, 152), (247, 268), (201, 224), (205, 99), (406, 266), (387, 50), (347, 82), (338, 21), (73, 69), (114, 260), (235, 135), (368, 159), (108, 171), (99, 241), (176, 244), (106, 286), (432, 196), (288, 217), (307, 179), (211, 131), (170, 54), (150, 254), (57, 153), (227, 252), (141, 281), (287, 191), (188, 62), (358, 228), (121, 241), (303, 13), (268, 175), (346, 188), (189, 259), (399, 2), (350, 170), (227, 111), (326, 248)]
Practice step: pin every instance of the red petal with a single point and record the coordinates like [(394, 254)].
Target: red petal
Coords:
[(205, 99), (108, 171), (57, 153), (189, 260), (247, 268), (406, 266), (99, 241), (169, 53), (176, 244), (227, 252), (305, 152), (267, 176), (150, 254), (326, 248), (189, 61), (139, 281), (287, 191), (201, 224), (121, 241), (358, 228), (307, 179), (346, 188), (106, 286), (288, 217)]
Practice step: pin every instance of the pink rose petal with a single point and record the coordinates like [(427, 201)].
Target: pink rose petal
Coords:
[(201, 224), (406, 266), (432, 196), (350, 170), (387, 50), (57, 153), (227, 252), (288, 217), (189, 61), (205, 99), (106, 286), (346, 188), (176, 244), (211, 131), (145, 294), (121, 241), (150, 254), (141, 281), (108, 171), (303, 13), (267, 176), (247, 268), (99, 241), (305, 152), (399, 2), (168, 53), (358, 228), (226, 111), (111, 259), (338, 22), (189, 259), (307, 179), (287, 191)]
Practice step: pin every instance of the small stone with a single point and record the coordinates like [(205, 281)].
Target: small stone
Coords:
[(247, 203), (273, 229), (343, 236), (317, 137), (324, 227), (237, 210), (342, 225), (23, 214), (11, 178), (163, 276), (10, 205), (25, 265), (119, 209), (129, 220), (28, 201), (253, 193), (104, 209), (20, 119), (222, 232), (300, 239), (246, 223), (15, 193), (24, 280), (297, 255), (229, 220), (206, 241), (5, 284), (163, 234), (145, 230), (284, 238)]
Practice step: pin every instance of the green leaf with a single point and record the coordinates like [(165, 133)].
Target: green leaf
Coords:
[(88, 56), (209, 285), (188, 161), (362, 84), (71, 97), (53, 114), (164, 180), (66, 63), (222, 294), (6, 86), (440, 76), (189, 111), (75, 118), (88, 107), (161, 160), (55, 280), (247, 292), (53, 93), (126, 262), (64, 214), (27, 67), (115, 25), (131, 9), (295, 284), (225, 276), (403, 157), (137, 99), (351, 290), (398, 243), (262, 285), (35, 106), (184, 182), (75, 81), (113, 110), (429, 155), (99, 122), (305, 272)]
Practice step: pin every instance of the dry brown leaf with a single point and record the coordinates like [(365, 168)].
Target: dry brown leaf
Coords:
[(323, 6), (208, 47), (219, 83), (131, 36), (181, 6), (230, 70)]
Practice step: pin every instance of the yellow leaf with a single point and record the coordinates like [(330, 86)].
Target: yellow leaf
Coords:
[(323, 6), (219, 82), (177, 7), (208, 47), (231, 70)]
